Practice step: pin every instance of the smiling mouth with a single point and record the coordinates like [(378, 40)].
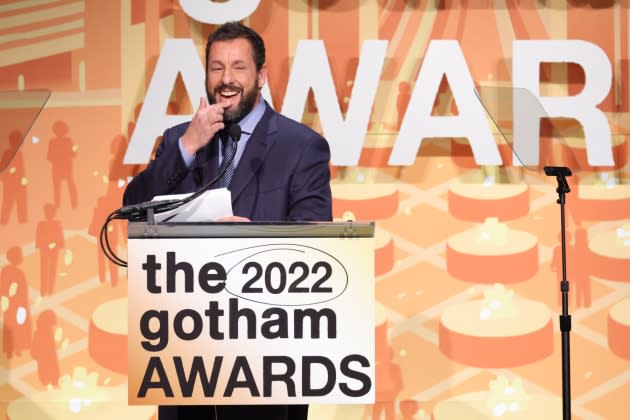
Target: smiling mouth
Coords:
[(228, 92)]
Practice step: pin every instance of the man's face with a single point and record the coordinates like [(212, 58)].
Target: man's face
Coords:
[(232, 80)]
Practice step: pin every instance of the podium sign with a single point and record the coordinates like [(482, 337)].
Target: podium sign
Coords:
[(251, 313)]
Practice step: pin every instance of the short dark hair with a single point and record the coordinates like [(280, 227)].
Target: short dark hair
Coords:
[(234, 30)]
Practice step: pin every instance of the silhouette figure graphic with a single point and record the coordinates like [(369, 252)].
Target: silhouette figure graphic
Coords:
[(16, 333), (60, 155), (13, 187), (49, 241), (44, 350), (101, 211), (388, 385)]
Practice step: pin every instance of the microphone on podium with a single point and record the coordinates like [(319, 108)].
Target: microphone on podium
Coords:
[(139, 211), (148, 209)]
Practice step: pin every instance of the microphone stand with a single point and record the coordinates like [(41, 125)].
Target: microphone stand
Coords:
[(565, 319), (148, 209), (560, 172)]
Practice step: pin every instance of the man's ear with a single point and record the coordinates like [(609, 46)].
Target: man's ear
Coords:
[(262, 76)]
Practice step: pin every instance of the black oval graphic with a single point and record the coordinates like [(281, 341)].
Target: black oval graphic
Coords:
[(284, 275)]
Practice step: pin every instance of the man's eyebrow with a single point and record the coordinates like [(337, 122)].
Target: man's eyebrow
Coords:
[(238, 61)]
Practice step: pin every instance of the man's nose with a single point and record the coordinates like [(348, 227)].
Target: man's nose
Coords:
[(227, 75)]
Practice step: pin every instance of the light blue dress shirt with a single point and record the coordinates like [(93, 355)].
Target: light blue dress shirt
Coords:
[(248, 124)]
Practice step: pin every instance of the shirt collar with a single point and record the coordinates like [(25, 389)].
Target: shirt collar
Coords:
[(250, 121)]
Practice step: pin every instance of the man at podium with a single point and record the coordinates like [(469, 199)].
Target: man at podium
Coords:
[(278, 170)]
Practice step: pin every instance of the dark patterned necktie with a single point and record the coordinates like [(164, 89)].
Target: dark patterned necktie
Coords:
[(228, 148)]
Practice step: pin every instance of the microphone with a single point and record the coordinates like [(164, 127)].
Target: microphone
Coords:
[(148, 209), (557, 171), (560, 172), (234, 132)]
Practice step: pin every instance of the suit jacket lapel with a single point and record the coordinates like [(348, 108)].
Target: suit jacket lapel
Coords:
[(259, 144)]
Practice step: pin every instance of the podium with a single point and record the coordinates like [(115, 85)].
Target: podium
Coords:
[(251, 313)]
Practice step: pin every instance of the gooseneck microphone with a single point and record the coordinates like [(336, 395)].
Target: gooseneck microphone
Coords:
[(234, 131), (148, 209), (137, 211)]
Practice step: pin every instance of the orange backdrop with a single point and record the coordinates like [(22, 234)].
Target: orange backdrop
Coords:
[(467, 262)]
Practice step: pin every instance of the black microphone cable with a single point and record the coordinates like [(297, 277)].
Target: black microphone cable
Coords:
[(234, 131), (104, 241), (138, 212)]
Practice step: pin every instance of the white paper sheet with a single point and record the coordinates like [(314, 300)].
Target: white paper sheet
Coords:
[(208, 207)]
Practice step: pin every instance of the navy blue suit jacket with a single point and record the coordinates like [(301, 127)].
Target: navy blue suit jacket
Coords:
[(283, 174)]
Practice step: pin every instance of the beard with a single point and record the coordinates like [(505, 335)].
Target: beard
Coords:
[(244, 106)]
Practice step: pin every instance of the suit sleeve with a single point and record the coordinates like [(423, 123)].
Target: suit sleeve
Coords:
[(163, 175), (310, 197)]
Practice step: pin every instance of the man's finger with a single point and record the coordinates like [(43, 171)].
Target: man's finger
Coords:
[(218, 108)]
